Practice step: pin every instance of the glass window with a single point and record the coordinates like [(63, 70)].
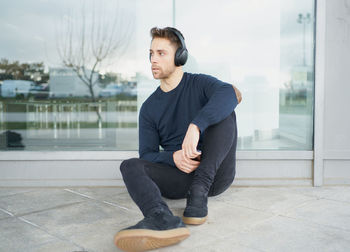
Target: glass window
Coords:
[(267, 51), (68, 76), (73, 74)]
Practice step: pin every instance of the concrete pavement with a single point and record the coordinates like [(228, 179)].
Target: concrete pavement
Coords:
[(240, 219)]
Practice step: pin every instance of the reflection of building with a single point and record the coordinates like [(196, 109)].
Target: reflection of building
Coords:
[(13, 88), (298, 89), (296, 95), (65, 82)]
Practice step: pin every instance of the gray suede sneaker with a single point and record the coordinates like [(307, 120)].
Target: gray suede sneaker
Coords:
[(161, 229), (196, 211)]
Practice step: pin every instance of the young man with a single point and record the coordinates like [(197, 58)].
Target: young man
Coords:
[(191, 116)]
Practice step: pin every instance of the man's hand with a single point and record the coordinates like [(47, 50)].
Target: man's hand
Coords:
[(189, 145), (186, 165), (238, 94)]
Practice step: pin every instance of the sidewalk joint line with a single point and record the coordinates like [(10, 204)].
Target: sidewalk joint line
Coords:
[(5, 211), (81, 194), (103, 201), (112, 204)]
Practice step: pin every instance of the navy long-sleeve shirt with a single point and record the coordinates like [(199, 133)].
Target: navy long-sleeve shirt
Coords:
[(165, 116)]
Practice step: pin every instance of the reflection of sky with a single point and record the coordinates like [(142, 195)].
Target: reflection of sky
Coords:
[(241, 35), (251, 43), (32, 26)]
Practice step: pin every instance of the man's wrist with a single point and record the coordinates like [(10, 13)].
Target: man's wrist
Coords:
[(195, 126)]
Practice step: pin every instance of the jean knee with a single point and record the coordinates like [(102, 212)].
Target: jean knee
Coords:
[(128, 164), (222, 187)]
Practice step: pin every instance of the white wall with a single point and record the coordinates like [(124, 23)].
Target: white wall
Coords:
[(336, 118)]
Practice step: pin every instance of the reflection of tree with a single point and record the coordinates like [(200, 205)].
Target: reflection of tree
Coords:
[(22, 71), (90, 39)]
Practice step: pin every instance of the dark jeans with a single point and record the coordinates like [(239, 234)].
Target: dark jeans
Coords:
[(147, 181)]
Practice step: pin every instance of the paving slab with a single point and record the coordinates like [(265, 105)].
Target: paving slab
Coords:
[(224, 245), (340, 193), (6, 191), (265, 199), (38, 200), (56, 246), (325, 212), (90, 224), (19, 236), (121, 197), (240, 219), (115, 195), (287, 234), (223, 221), (213, 245), (100, 193)]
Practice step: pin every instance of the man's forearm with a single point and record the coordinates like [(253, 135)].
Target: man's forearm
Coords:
[(159, 157)]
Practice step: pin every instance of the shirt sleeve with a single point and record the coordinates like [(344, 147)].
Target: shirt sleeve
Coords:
[(221, 102), (149, 141)]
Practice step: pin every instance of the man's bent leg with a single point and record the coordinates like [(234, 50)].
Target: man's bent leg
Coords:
[(171, 181), (219, 143), (142, 189), (159, 228), (226, 172)]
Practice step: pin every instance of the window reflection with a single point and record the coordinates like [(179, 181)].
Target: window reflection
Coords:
[(54, 97), (79, 97), (268, 54)]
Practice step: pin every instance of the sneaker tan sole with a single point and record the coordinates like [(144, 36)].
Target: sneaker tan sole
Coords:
[(146, 239), (194, 220)]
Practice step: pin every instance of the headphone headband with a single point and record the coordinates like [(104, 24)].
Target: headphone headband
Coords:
[(181, 54), (179, 36)]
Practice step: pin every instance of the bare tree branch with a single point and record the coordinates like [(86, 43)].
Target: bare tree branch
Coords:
[(87, 41)]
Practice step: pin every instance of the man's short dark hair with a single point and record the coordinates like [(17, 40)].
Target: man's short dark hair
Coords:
[(168, 34)]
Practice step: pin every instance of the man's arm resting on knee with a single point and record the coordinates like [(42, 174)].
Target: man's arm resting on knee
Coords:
[(193, 132)]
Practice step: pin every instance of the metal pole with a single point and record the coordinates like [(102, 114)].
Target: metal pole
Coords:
[(174, 10), (304, 26)]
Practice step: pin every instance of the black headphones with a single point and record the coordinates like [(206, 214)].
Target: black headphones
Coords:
[(181, 53)]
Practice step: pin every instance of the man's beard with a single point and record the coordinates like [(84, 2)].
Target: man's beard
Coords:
[(160, 74)]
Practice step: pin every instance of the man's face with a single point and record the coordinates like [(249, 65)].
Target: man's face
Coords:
[(162, 58)]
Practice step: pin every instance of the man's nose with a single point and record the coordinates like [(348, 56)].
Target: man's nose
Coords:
[(154, 59)]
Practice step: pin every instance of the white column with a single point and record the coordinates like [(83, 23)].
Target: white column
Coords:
[(319, 91)]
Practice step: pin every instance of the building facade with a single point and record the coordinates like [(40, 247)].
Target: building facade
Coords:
[(290, 59)]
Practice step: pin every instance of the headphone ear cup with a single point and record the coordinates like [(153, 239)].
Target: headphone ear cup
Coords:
[(177, 56), (181, 56), (184, 56)]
